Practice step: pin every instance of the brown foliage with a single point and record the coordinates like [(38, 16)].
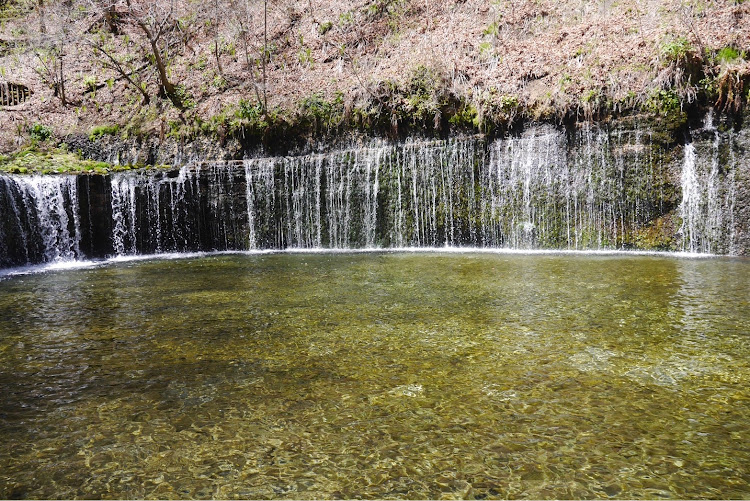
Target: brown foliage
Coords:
[(732, 87), (551, 57)]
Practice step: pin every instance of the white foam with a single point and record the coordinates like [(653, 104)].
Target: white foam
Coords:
[(47, 267), (487, 250)]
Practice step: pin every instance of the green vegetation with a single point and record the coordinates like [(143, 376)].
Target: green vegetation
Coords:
[(677, 48), (251, 117), (325, 27), (728, 55), (103, 130), (36, 160), (663, 102), (421, 103), (39, 132), (594, 103), (317, 112), (465, 118), (305, 56), (346, 18)]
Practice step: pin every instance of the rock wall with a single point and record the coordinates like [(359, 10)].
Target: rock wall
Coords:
[(621, 185)]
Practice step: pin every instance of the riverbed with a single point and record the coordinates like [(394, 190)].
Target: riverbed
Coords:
[(377, 375)]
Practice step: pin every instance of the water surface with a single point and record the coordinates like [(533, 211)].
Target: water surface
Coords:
[(378, 375)]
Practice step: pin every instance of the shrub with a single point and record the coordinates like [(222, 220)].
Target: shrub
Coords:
[(249, 111), (40, 132), (663, 102), (678, 48)]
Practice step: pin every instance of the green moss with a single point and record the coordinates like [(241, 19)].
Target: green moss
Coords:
[(466, 117), (659, 234), (33, 160), (103, 130)]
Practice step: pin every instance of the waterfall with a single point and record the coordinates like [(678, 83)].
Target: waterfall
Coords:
[(709, 192), (41, 220), (528, 193), (124, 215), (691, 202), (587, 188), (197, 207), (382, 195)]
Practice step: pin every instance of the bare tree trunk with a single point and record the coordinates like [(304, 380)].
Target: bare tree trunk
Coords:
[(241, 10), (249, 65), (218, 59), (169, 88), (110, 18), (42, 25), (113, 63), (153, 35), (265, 55), (216, 38), (61, 79)]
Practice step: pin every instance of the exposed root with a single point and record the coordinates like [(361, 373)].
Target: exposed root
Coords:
[(732, 87)]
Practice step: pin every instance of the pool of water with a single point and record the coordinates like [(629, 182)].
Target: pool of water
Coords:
[(378, 375)]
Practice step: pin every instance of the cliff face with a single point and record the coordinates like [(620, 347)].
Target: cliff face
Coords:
[(389, 123), (259, 72), (623, 185)]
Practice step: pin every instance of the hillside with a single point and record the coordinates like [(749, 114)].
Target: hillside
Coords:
[(314, 67)]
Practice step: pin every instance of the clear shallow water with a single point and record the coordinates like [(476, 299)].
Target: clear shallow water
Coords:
[(393, 375)]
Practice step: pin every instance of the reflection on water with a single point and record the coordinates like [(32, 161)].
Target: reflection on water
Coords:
[(378, 376)]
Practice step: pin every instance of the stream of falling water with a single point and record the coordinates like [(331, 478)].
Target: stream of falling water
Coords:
[(41, 218), (531, 191), (707, 209)]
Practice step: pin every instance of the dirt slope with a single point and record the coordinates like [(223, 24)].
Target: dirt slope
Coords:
[(475, 62)]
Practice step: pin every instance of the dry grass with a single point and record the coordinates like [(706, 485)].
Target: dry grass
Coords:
[(551, 57)]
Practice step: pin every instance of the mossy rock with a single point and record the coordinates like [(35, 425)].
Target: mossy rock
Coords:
[(659, 234)]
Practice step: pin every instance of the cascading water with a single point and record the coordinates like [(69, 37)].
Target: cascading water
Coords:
[(379, 196), (41, 220), (691, 202), (709, 192), (124, 215), (523, 192), (596, 189), (194, 208)]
